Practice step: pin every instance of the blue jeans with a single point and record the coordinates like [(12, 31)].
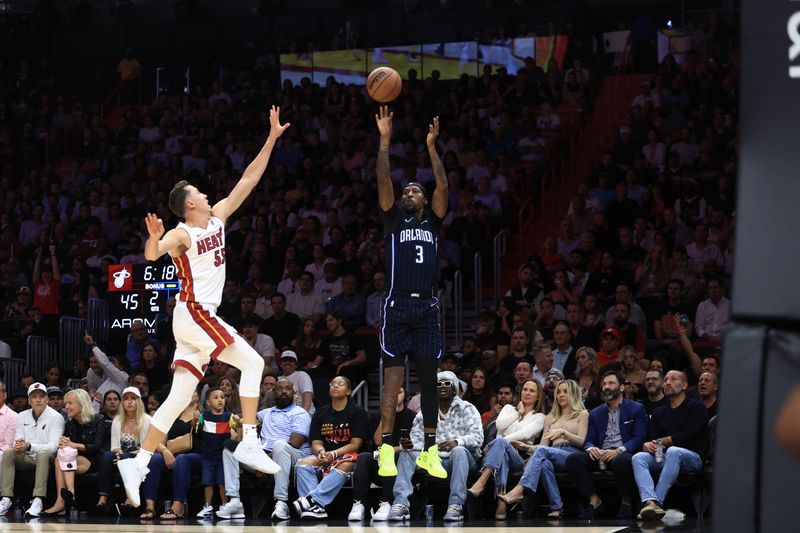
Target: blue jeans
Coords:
[(458, 466), (676, 460), (503, 458), (186, 464), (107, 470), (323, 492), (544, 463)]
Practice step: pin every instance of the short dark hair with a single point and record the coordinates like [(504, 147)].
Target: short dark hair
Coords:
[(656, 370), (676, 280), (617, 375), (279, 295), (252, 320), (177, 198), (213, 389)]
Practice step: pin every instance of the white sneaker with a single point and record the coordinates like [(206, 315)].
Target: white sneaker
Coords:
[(206, 512), (454, 513), (356, 513), (232, 509), (132, 476), (382, 514), (5, 505), (36, 508), (281, 511), (250, 453)]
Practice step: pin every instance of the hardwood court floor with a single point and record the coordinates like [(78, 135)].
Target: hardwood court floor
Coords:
[(89, 524)]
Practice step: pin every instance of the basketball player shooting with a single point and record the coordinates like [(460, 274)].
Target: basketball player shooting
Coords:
[(411, 310), (197, 246)]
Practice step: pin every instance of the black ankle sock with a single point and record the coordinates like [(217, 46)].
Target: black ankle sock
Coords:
[(387, 438), (430, 440)]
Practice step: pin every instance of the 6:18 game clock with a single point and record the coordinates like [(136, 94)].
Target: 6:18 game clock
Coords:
[(139, 293)]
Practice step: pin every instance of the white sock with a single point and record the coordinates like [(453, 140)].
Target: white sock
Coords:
[(249, 432), (143, 457)]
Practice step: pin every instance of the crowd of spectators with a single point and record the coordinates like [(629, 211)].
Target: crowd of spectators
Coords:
[(603, 316)]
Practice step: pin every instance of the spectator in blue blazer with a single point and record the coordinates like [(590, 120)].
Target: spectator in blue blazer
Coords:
[(617, 430)]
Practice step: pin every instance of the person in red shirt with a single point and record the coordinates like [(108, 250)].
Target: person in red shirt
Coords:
[(609, 342), (46, 284)]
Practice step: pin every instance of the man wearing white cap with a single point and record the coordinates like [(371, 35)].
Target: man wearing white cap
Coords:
[(35, 444), (459, 436), (301, 380)]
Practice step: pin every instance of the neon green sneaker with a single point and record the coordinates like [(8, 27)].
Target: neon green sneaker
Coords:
[(386, 466), (430, 461)]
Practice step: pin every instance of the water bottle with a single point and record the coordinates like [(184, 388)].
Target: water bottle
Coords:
[(659, 451), (601, 465)]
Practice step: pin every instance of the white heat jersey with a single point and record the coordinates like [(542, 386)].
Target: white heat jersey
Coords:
[(201, 269)]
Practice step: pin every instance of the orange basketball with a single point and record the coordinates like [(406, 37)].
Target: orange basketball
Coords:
[(384, 84)]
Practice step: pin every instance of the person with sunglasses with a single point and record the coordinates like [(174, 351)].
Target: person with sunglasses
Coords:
[(459, 436), (338, 430)]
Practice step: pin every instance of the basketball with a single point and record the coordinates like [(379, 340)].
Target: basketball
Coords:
[(384, 84)]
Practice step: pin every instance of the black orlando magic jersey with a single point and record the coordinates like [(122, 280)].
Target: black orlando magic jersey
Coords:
[(411, 250)]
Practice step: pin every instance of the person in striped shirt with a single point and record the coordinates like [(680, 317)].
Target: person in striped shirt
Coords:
[(216, 427)]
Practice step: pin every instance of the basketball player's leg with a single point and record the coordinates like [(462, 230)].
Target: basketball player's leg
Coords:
[(394, 337), (133, 471), (250, 452), (427, 341)]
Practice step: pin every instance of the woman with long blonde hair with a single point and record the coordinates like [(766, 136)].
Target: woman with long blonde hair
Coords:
[(79, 448), (564, 432), (518, 426), (127, 433)]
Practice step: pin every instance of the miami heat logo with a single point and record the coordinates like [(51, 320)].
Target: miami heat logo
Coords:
[(119, 277)]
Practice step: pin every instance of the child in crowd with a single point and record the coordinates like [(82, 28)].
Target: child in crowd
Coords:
[(217, 425)]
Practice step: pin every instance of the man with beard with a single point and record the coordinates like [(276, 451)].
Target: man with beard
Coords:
[(520, 351), (551, 381), (680, 430), (654, 383), (284, 436), (617, 430), (630, 333)]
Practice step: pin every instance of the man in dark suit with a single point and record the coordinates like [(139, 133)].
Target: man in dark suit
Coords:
[(617, 430)]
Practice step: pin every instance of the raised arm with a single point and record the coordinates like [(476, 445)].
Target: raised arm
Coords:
[(155, 246), (385, 189), (439, 202), (252, 174)]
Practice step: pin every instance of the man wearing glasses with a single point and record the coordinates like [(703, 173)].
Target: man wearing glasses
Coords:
[(459, 436)]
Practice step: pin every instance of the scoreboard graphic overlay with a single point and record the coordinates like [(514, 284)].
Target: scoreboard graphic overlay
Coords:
[(139, 293)]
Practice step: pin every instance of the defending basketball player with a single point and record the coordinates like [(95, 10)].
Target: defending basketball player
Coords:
[(411, 309), (197, 246)]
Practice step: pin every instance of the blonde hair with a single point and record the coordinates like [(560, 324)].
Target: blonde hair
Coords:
[(575, 400), (538, 405), (140, 413), (85, 402), (623, 353), (593, 368)]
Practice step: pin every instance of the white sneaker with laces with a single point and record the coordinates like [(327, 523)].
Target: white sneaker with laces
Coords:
[(382, 514), (356, 513), (36, 508), (454, 513), (232, 509), (5, 505), (250, 453), (399, 512), (132, 476), (206, 512), (281, 511)]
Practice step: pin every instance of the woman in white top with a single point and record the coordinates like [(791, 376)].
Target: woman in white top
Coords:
[(564, 432), (517, 428), (127, 433)]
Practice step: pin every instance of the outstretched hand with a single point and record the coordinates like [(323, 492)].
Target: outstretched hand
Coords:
[(384, 120), (275, 127), (155, 226), (433, 132)]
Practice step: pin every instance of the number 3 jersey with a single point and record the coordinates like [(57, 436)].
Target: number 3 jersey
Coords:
[(411, 250), (201, 268)]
